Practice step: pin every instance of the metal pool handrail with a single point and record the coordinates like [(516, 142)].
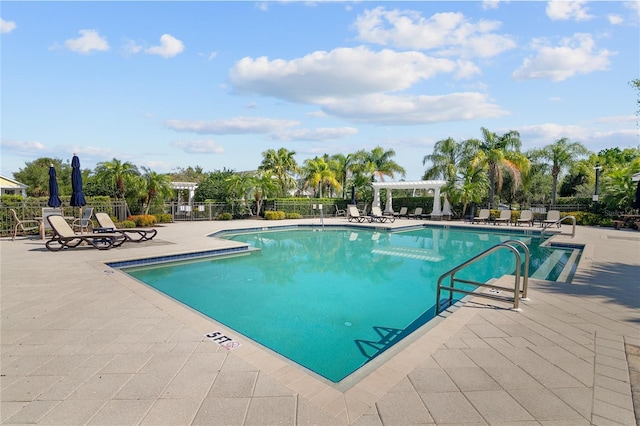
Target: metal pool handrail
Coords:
[(516, 288), (548, 225)]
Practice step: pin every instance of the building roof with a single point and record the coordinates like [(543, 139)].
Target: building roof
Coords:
[(6, 182)]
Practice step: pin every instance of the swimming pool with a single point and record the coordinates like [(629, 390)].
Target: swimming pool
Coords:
[(333, 300)]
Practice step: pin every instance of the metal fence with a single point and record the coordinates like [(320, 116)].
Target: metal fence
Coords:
[(29, 210)]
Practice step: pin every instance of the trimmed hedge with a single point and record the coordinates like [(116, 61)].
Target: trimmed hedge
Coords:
[(143, 220), (274, 215)]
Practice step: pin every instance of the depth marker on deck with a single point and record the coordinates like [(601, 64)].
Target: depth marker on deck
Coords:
[(221, 339)]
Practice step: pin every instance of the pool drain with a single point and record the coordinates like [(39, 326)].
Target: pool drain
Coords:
[(348, 324)]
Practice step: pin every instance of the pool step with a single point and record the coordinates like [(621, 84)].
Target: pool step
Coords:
[(551, 263)]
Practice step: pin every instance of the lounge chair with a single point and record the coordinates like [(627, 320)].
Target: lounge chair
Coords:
[(84, 224), (553, 216), (64, 237), (483, 216), (143, 234), (526, 216), (354, 215), (339, 211), (417, 214), (23, 225), (402, 213), (377, 216), (505, 217)]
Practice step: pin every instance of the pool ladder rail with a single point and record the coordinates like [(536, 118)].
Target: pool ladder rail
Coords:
[(518, 293), (558, 222)]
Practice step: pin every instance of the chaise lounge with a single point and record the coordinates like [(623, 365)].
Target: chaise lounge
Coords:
[(135, 235), (377, 216), (354, 215), (65, 237), (483, 216), (505, 217), (526, 216)]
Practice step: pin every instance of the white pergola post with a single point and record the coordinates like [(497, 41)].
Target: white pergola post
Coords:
[(376, 197), (437, 210), (421, 184), (388, 208)]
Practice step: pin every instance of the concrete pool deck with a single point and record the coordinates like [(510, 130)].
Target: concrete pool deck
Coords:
[(83, 344)]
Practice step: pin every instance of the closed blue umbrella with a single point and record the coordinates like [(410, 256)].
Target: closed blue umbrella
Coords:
[(353, 195), (54, 198), (77, 196)]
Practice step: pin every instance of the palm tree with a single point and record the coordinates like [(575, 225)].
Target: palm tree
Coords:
[(618, 188), (116, 175), (498, 154), (342, 167), (471, 187), (447, 157), (282, 165), (156, 185), (562, 154), (317, 174), (378, 163), (241, 185)]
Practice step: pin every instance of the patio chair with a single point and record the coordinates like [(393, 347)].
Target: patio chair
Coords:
[(483, 216), (526, 216), (553, 216), (417, 214), (505, 217), (23, 225), (84, 223), (339, 211), (402, 213), (131, 234), (354, 215), (377, 216), (64, 237)]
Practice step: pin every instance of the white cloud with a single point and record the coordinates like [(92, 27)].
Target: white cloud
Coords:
[(634, 6), (340, 73), (575, 55), (401, 110), (563, 10), (7, 26), (490, 4), (88, 41), (203, 146), (591, 136), (22, 147), (169, 47), (555, 99), (235, 126), (615, 19), (617, 119), (319, 134), (131, 47), (448, 33)]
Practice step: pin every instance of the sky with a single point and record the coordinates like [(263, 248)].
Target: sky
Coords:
[(168, 85)]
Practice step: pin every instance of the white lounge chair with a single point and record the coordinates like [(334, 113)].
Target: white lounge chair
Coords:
[(64, 237), (553, 216), (143, 234), (354, 215), (84, 224), (417, 214), (377, 216), (402, 213), (483, 216), (505, 217), (526, 216)]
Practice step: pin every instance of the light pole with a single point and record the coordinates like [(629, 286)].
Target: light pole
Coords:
[(597, 168)]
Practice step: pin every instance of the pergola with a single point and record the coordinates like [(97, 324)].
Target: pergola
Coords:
[(420, 184), (190, 186)]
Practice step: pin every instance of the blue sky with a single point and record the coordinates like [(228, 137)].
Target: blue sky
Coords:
[(176, 84)]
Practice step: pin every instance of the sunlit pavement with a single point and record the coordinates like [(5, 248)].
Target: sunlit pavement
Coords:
[(84, 344)]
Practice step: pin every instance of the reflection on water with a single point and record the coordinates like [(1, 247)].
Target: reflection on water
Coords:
[(330, 300)]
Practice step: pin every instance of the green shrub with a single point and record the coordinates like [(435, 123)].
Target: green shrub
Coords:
[(163, 217), (587, 219), (274, 215), (143, 219), (224, 216), (293, 216), (126, 224)]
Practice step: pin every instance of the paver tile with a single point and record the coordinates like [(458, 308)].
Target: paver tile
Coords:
[(544, 405), (403, 409), (497, 406), (451, 407)]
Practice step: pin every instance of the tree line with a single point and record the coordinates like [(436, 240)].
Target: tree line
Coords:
[(488, 171)]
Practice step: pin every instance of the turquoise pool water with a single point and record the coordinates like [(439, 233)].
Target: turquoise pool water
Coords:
[(332, 300)]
